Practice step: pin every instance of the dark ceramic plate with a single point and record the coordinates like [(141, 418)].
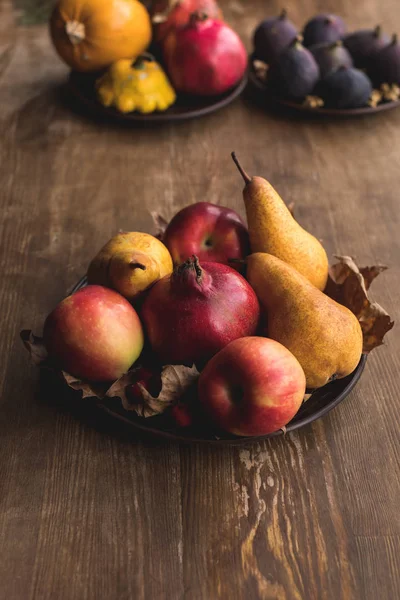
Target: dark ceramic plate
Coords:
[(258, 85), (82, 86), (319, 404)]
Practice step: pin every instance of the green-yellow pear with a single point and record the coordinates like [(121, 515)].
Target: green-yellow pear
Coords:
[(324, 336), (273, 229), (130, 263)]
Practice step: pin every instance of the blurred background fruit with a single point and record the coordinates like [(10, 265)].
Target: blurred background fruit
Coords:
[(295, 72), (363, 43), (384, 66), (272, 36), (330, 56), (323, 28), (171, 14), (206, 57), (345, 88), (91, 34)]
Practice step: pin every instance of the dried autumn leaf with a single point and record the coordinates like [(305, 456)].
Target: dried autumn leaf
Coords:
[(88, 389), (120, 388), (160, 223), (260, 69), (313, 102), (35, 347), (175, 381), (348, 285)]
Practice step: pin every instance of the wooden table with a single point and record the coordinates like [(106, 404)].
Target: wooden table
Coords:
[(86, 510)]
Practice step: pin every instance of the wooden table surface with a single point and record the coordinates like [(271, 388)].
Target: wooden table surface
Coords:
[(87, 511)]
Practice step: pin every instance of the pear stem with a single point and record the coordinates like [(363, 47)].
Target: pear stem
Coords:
[(247, 178), (137, 265)]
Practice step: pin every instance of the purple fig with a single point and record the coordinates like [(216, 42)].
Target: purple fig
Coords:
[(331, 56), (384, 65), (365, 42), (322, 29), (344, 88), (272, 36), (294, 73)]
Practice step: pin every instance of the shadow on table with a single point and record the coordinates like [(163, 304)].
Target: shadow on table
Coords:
[(53, 393)]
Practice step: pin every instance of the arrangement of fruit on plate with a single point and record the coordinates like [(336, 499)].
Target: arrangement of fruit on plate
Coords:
[(213, 323), (325, 66), (117, 45)]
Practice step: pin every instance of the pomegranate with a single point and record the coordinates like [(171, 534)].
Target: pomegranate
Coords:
[(193, 313), (172, 14), (206, 57)]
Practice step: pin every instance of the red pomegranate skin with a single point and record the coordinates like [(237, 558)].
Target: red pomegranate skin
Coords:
[(179, 15), (193, 313), (206, 57), (213, 233)]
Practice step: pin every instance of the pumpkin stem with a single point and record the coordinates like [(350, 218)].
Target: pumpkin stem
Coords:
[(75, 32)]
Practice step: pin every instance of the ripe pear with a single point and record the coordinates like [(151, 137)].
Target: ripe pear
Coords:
[(324, 336), (273, 229), (130, 263)]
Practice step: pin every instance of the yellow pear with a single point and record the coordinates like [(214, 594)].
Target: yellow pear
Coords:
[(273, 229), (129, 263), (324, 336)]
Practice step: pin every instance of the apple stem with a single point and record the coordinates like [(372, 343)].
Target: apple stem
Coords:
[(137, 265), (246, 177), (237, 261)]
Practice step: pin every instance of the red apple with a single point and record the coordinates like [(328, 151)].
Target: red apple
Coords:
[(95, 334), (253, 386), (213, 233)]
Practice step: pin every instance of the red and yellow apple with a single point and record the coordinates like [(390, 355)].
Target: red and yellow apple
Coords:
[(253, 386), (213, 233), (95, 334)]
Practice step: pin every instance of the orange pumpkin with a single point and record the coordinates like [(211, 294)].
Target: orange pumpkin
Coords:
[(91, 34)]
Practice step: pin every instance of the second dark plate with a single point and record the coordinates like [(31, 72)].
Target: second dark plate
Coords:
[(258, 85), (82, 87)]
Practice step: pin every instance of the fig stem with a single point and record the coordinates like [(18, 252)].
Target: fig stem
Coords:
[(283, 14), (137, 265), (377, 30), (394, 39), (246, 177)]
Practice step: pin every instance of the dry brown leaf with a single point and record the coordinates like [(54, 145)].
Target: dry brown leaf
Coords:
[(160, 223), (375, 98), (313, 102), (35, 347), (390, 92), (348, 285), (175, 381), (260, 69), (88, 389)]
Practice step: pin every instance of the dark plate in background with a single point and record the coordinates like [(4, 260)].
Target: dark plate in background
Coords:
[(82, 87), (259, 86)]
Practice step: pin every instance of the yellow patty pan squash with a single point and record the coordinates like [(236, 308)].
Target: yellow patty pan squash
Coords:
[(141, 86)]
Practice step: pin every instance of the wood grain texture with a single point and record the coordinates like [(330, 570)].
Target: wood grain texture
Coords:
[(87, 512)]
